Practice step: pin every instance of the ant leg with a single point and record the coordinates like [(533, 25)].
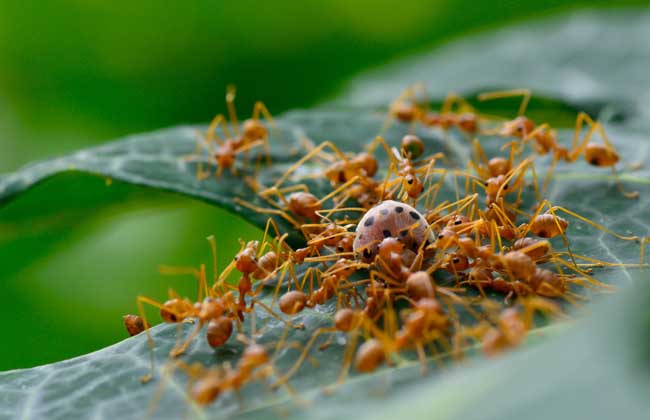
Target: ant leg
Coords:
[(258, 108), (524, 93), (279, 193), (139, 301), (231, 92), (479, 154), (218, 120), (303, 356), (270, 223), (531, 305), (274, 315), (313, 152), (549, 174), (452, 99), (592, 223), (200, 173), (589, 279), (379, 141), (338, 190), (215, 266), (578, 149), (627, 194), (582, 119), (276, 212), (180, 349), (521, 167)]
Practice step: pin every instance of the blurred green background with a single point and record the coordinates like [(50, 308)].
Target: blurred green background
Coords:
[(76, 73)]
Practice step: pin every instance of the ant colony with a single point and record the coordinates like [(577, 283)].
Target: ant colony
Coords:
[(405, 253)]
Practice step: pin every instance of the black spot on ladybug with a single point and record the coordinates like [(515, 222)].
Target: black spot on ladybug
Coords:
[(414, 215), (399, 209), (383, 212), (409, 181), (594, 161), (456, 260), (366, 253), (386, 233), (369, 221), (458, 221)]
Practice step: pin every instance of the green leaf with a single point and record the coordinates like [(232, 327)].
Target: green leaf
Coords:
[(590, 59), (106, 383), (91, 390)]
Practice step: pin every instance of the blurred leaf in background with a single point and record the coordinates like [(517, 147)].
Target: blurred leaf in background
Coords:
[(75, 73)]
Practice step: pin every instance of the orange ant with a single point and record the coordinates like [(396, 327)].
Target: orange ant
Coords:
[(219, 308), (402, 165), (300, 202), (601, 155), (406, 108), (511, 326), (253, 134)]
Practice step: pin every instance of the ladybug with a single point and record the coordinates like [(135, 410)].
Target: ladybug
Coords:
[(390, 219)]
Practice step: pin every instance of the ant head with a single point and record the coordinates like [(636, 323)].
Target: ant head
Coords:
[(225, 156), (519, 127), (457, 221), (337, 172), (345, 244), (170, 309), (246, 260), (446, 238), (493, 184), (413, 186), (467, 122), (457, 262)]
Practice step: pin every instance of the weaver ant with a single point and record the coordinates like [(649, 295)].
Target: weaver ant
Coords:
[(253, 134)]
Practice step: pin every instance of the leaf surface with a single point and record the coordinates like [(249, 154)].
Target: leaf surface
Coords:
[(105, 383)]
